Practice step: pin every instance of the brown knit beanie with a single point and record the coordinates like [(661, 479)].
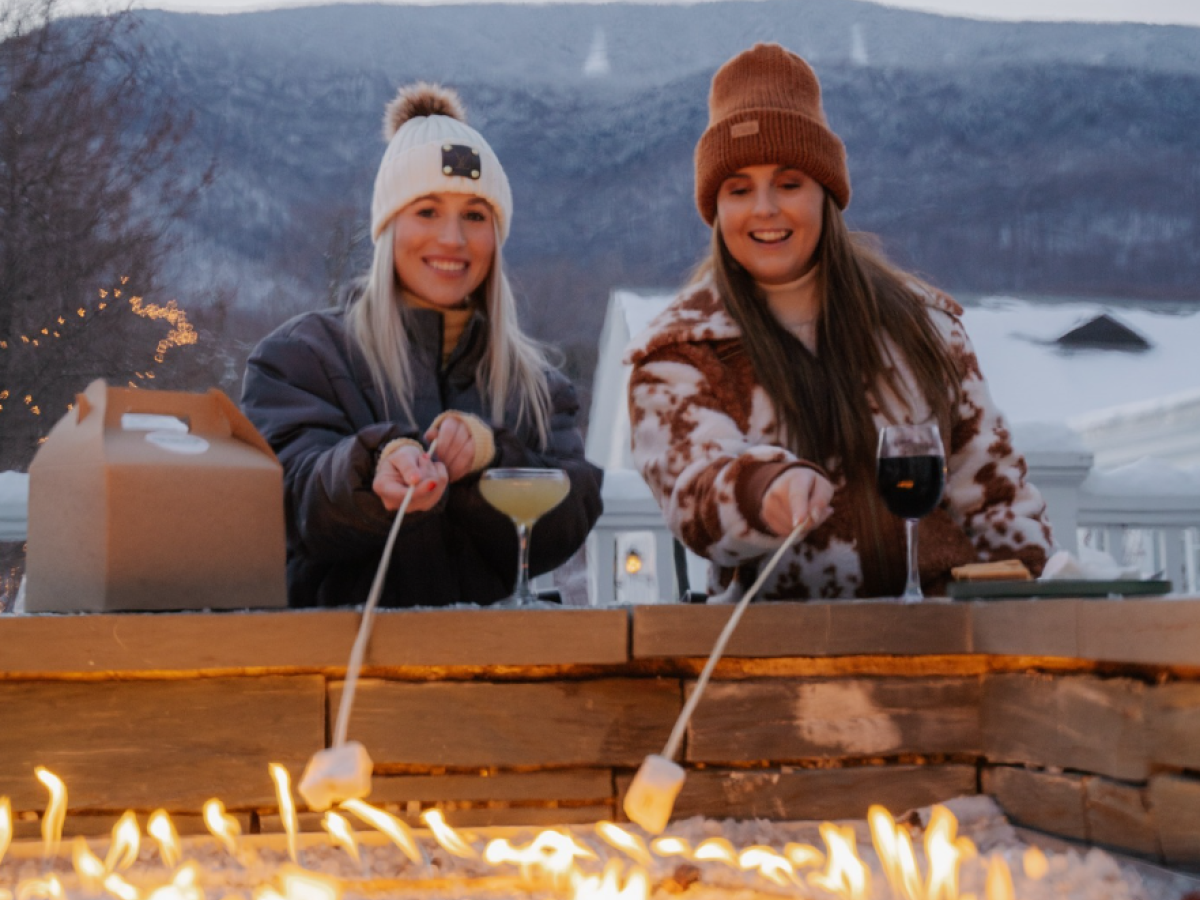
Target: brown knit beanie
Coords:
[(765, 107)]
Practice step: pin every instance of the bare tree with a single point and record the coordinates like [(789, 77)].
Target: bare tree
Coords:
[(92, 179)]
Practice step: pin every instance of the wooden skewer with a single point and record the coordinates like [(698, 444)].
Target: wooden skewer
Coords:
[(364, 627)]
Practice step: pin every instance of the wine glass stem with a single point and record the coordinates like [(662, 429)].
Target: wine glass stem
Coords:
[(912, 584), (522, 592)]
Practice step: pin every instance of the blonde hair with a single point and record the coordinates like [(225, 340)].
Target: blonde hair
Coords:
[(513, 366)]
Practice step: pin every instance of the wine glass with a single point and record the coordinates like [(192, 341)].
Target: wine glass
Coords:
[(911, 475), (524, 495)]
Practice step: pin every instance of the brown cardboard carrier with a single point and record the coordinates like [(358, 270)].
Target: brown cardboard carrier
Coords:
[(123, 519)]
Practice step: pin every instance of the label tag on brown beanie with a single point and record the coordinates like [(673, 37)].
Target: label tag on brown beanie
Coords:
[(743, 129)]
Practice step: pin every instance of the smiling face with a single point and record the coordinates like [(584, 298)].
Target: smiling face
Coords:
[(444, 245), (771, 219)]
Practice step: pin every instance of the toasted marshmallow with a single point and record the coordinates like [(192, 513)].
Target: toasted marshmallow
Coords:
[(336, 774), (651, 796)]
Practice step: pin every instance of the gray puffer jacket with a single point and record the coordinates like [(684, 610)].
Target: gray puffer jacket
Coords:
[(310, 393)]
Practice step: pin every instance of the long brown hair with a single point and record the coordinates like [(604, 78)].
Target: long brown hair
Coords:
[(823, 400)]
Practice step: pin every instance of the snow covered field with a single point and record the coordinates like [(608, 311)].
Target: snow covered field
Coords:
[(1035, 381)]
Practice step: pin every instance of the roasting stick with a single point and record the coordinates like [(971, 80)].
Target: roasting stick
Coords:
[(343, 772), (651, 795)]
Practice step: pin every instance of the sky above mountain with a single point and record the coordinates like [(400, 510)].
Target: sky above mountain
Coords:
[(1162, 12)]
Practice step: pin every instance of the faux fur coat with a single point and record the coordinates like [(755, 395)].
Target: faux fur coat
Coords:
[(706, 439)]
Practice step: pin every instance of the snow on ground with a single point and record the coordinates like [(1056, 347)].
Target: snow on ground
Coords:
[(1034, 381), (14, 505)]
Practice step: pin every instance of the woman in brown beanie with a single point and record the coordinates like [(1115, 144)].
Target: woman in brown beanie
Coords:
[(757, 397)]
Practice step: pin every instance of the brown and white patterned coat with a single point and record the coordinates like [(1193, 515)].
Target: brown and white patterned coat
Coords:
[(706, 440)]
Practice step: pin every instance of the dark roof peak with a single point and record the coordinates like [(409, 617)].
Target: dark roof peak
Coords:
[(1103, 333)]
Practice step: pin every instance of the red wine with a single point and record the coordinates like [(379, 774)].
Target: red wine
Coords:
[(911, 485)]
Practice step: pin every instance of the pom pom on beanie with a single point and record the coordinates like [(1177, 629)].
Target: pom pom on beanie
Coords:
[(431, 149), (418, 100)]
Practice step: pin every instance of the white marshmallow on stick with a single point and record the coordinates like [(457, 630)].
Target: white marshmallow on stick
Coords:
[(650, 799), (343, 771)]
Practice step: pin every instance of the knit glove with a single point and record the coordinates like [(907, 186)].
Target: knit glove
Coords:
[(481, 436)]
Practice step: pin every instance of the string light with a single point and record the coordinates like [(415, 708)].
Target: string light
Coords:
[(181, 334)]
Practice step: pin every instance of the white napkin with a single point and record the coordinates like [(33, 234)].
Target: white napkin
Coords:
[(1089, 565)]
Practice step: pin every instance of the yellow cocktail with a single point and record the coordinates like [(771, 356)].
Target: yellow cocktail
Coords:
[(524, 495)]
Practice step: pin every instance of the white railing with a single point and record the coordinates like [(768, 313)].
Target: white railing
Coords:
[(1145, 515)]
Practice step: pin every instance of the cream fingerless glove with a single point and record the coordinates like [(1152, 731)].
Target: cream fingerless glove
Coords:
[(481, 436)]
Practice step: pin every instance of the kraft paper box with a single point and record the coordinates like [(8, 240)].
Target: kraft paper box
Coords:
[(131, 510)]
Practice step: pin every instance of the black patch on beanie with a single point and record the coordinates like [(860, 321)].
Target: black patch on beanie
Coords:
[(461, 160)]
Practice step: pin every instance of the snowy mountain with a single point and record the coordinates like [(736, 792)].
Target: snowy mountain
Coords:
[(992, 157)]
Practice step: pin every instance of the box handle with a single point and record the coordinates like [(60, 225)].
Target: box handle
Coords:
[(203, 413)]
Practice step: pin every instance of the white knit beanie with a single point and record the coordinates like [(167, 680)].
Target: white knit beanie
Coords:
[(431, 149)]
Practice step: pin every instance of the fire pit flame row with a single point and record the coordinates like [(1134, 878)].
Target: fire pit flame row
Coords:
[(937, 865)]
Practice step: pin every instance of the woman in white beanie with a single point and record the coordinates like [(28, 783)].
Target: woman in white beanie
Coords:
[(430, 349)]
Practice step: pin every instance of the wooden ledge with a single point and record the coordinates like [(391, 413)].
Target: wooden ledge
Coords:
[(846, 628), (1151, 632), (1162, 633), (300, 641)]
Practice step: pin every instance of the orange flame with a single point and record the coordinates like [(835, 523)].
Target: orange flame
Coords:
[(297, 884), (804, 856), (999, 885), (401, 835), (629, 844), (845, 874), (120, 888), (6, 826), (551, 852), (607, 886), (287, 806), (671, 846), (445, 835), (716, 850), (56, 811), (88, 866), (301, 885), (222, 826), (941, 855), (1034, 863), (769, 864), (897, 857), (49, 888), (184, 885), (162, 829), (126, 842), (343, 835)]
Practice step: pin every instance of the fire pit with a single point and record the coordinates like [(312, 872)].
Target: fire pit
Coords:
[(1080, 718), (922, 857)]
